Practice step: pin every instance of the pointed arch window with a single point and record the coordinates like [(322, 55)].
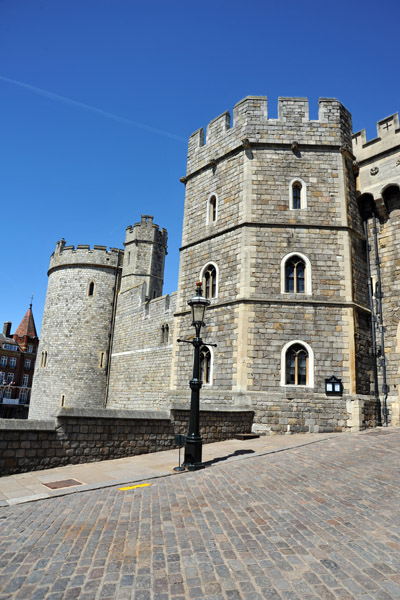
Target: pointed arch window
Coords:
[(205, 364), (210, 281), (295, 274), (296, 365), (91, 289)]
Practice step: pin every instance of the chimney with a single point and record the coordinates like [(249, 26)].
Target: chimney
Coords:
[(7, 329)]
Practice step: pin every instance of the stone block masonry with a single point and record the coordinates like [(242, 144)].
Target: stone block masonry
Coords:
[(87, 435), (250, 169), (140, 367), (76, 329), (272, 221)]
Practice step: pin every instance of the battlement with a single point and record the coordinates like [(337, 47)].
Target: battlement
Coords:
[(252, 126), (146, 231), (388, 137), (99, 256)]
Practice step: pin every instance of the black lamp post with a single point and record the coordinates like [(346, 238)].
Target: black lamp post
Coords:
[(194, 441)]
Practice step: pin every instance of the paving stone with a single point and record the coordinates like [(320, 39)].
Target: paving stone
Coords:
[(310, 523)]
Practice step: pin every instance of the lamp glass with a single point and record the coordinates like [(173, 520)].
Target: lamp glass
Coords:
[(198, 310)]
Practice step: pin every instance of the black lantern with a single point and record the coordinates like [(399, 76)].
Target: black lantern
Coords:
[(198, 305)]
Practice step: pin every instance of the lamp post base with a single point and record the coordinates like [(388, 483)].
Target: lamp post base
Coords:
[(195, 467), (193, 452)]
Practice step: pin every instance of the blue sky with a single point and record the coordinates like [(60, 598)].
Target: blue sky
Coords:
[(98, 98)]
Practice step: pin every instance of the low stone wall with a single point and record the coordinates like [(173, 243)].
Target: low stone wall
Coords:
[(79, 436), (216, 424)]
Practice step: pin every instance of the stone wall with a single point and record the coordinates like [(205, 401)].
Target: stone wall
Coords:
[(250, 168), (215, 425), (80, 436), (140, 368), (144, 257), (76, 329), (378, 161)]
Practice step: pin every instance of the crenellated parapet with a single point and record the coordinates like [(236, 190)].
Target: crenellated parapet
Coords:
[(378, 161), (388, 138), (251, 126), (145, 250), (83, 254), (146, 231)]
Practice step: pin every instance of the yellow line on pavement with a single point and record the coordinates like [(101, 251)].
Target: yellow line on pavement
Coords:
[(132, 487)]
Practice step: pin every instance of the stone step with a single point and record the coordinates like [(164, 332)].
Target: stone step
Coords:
[(246, 436)]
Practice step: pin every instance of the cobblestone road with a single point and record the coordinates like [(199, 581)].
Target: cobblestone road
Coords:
[(316, 522)]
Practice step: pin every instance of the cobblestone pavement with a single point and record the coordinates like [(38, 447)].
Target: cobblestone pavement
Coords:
[(314, 522)]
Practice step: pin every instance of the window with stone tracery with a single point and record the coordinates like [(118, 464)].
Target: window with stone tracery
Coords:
[(295, 270), (296, 365), (205, 364), (210, 281)]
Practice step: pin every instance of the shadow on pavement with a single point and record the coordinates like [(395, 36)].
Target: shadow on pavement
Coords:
[(208, 463)]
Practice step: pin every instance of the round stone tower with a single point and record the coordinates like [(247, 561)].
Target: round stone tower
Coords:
[(72, 364)]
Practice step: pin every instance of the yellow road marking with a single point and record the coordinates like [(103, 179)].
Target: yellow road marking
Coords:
[(132, 487)]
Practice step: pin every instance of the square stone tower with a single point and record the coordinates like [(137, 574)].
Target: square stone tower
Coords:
[(272, 228)]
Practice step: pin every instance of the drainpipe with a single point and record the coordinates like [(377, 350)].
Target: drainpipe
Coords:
[(379, 312), (117, 284), (378, 417)]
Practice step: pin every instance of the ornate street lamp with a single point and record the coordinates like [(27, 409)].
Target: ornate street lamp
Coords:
[(194, 441)]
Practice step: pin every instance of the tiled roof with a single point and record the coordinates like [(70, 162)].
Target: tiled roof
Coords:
[(27, 325)]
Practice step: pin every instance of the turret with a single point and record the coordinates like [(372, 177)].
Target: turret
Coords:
[(145, 250), (73, 354)]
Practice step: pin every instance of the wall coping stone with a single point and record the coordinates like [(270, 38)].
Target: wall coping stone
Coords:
[(106, 413), (28, 425), (213, 407)]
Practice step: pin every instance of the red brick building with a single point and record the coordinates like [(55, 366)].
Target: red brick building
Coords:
[(18, 353)]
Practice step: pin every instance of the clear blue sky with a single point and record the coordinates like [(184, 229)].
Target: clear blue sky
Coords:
[(98, 98)]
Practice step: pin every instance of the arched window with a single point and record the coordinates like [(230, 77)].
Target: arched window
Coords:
[(295, 270), (296, 191), (212, 209), (296, 274), (205, 364), (296, 365), (91, 288), (391, 197), (297, 194), (209, 279)]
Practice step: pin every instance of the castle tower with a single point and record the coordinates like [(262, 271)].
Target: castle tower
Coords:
[(145, 250), (72, 363), (379, 188), (140, 364), (272, 228)]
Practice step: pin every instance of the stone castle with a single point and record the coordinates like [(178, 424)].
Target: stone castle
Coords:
[(292, 225)]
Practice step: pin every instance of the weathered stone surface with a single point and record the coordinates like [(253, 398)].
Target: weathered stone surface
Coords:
[(78, 436)]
